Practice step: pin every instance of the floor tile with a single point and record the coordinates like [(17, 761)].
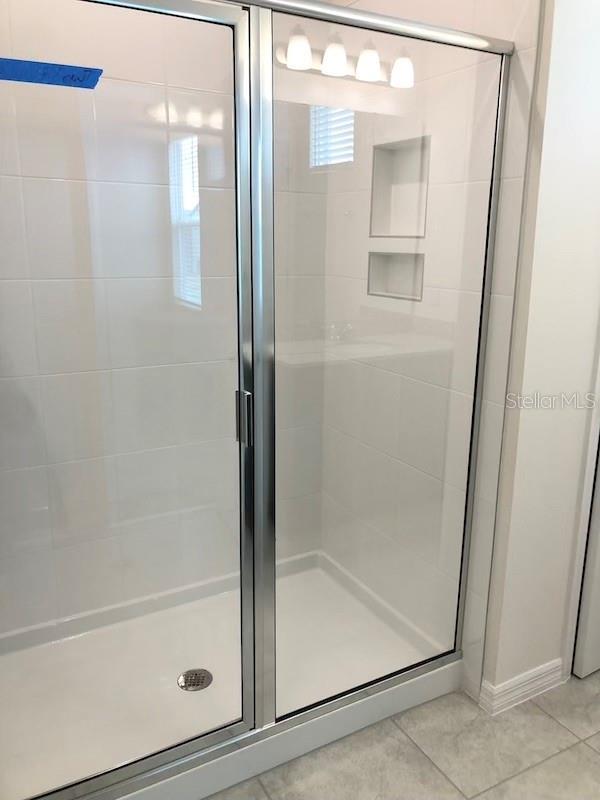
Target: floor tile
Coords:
[(477, 751), (575, 704), (571, 775), (594, 742), (377, 763), (249, 790)]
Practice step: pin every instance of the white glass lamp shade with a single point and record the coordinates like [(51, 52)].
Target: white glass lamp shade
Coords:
[(299, 53), (403, 73), (368, 67), (335, 62)]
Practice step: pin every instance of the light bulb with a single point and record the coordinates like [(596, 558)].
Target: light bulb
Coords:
[(368, 67), (335, 62), (299, 54), (216, 119), (403, 73), (194, 118)]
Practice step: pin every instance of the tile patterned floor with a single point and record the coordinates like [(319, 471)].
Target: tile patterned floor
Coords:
[(449, 749)]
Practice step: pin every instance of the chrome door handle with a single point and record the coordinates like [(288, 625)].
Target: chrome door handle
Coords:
[(243, 417)]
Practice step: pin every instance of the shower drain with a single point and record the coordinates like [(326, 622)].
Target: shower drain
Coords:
[(192, 680)]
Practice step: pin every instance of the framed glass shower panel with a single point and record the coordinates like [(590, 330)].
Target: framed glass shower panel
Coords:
[(123, 483), (381, 202)]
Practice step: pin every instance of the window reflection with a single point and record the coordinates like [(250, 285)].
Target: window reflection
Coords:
[(185, 219)]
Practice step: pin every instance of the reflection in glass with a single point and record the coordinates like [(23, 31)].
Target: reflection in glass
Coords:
[(185, 219)]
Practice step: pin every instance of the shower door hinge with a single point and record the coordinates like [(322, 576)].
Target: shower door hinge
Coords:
[(243, 417)]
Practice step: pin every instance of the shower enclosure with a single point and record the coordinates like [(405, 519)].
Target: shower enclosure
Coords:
[(245, 289)]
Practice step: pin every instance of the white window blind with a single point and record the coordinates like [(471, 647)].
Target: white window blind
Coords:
[(331, 136), (185, 219)]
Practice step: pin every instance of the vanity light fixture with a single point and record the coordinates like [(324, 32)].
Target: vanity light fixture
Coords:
[(335, 61), (368, 67), (403, 73), (299, 53)]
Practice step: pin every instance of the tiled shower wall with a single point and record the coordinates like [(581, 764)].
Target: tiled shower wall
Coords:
[(118, 466), (388, 448)]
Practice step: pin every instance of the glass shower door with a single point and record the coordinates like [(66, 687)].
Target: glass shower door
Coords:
[(383, 161), (120, 469)]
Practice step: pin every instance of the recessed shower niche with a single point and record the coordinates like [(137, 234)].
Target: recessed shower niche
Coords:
[(398, 275), (399, 187)]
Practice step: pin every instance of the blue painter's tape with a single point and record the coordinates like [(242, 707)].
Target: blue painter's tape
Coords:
[(13, 69)]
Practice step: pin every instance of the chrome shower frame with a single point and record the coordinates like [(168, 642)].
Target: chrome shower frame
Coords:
[(253, 41)]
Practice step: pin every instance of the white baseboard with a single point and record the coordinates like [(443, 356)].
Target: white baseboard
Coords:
[(495, 699)]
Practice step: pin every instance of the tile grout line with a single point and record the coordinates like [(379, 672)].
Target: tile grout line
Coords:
[(589, 746), (431, 761), (523, 771), (262, 786), (558, 722)]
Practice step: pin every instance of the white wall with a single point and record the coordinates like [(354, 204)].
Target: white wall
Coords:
[(556, 332)]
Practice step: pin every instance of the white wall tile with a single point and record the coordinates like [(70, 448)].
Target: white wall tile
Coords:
[(161, 406), (22, 440), (208, 474), (27, 592), (147, 483), (298, 461), (78, 415), (456, 235), (436, 342), (5, 37), (299, 393), (83, 501), (154, 555), (207, 118), (56, 131), (91, 35), (149, 325), (9, 150), (211, 543), (60, 227), (434, 430), (306, 233), (375, 488), (217, 213), (298, 525), (348, 234), (205, 401), (375, 394), (18, 351), (515, 20), (198, 56), (146, 408), (24, 518), (71, 325), (132, 229), (483, 89), (458, 14), (13, 256), (89, 576), (131, 136)]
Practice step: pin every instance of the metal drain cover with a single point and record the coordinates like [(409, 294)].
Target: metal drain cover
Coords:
[(192, 680)]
